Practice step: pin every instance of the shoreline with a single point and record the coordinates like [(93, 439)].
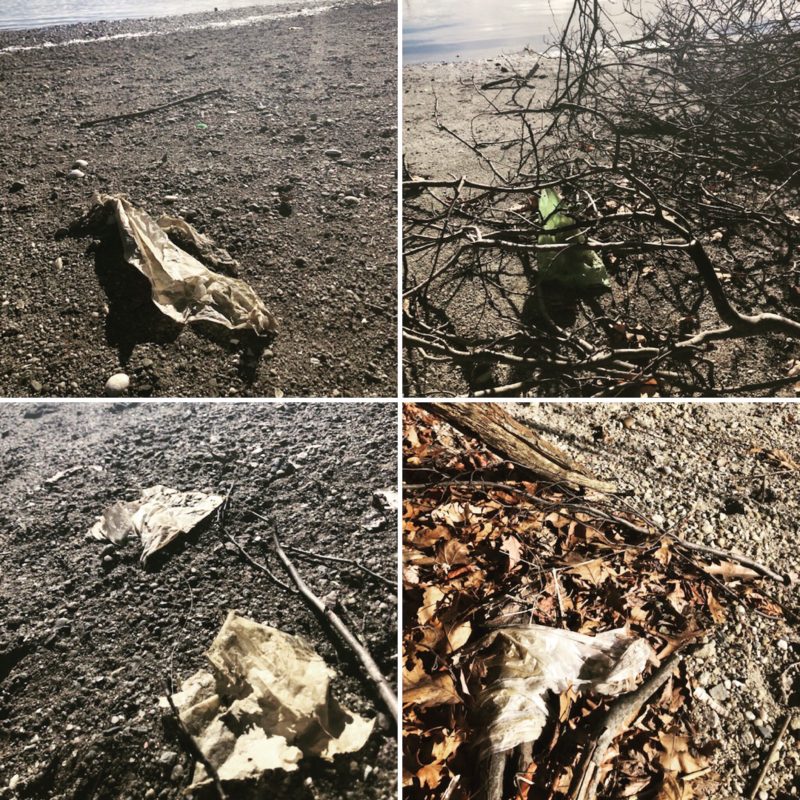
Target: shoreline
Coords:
[(87, 32)]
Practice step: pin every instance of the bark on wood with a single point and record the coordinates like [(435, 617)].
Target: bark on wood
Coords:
[(617, 719), (511, 439)]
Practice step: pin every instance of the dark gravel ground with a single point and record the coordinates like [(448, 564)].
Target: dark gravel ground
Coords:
[(257, 179), (85, 644)]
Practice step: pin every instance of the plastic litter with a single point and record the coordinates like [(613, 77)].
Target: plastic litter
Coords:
[(182, 287), (576, 266), (265, 704), (529, 661), (158, 517)]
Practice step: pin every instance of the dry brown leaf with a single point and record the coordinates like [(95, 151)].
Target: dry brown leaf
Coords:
[(458, 635), (676, 756), (512, 547), (430, 602), (430, 775), (778, 458), (453, 553), (422, 689)]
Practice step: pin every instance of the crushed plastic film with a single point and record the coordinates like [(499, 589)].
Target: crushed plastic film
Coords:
[(158, 517), (264, 704), (576, 266), (527, 662), (182, 287)]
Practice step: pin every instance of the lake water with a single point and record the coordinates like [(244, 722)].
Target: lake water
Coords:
[(455, 30), (16, 14)]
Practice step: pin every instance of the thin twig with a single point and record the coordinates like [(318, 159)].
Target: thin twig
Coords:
[(351, 561), (191, 745), (135, 114), (768, 760), (371, 668)]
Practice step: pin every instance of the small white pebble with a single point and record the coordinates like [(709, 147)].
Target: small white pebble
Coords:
[(117, 385)]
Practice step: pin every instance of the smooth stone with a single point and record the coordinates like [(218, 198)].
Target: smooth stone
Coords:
[(75, 174), (117, 384)]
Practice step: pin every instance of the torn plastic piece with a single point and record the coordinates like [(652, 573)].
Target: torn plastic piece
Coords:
[(183, 288), (265, 704), (575, 266), (158, 517), (198, 245), (528, 661), (387, 501)]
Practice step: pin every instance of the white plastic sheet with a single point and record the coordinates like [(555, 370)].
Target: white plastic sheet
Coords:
[(158, 517), (264, 705), (529, 661), (183, 288)]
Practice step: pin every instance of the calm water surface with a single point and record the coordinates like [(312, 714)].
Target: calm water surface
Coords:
[(454, 30), (16, 14)]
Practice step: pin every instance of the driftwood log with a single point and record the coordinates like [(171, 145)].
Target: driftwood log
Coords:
[(515, 441)]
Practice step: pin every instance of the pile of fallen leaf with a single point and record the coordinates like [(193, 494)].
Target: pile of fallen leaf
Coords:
[(486, 547)]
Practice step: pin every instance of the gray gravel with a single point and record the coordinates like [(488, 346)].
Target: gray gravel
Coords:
[(689, 466)]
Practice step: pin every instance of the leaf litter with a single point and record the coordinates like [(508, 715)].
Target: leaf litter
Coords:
[(513, 589)]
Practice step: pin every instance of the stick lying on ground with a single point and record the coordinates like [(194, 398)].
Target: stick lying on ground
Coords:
[(335, 559), (616, 720), (191, 745), (135, 114), (513, 440), (370, 667)]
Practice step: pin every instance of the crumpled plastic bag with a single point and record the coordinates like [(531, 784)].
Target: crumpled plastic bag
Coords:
[(183, 288), (577, 267), (529, 661), (264, 705), (158, 517), (198, 245)]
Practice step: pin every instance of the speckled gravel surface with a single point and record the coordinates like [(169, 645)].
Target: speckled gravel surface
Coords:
[(292, 169), (88, 636), (690, 467)]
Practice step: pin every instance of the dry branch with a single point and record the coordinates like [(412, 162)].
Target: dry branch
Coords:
[(136, 114), (614, 722), (371, 668), (191, 745), (513, 440)]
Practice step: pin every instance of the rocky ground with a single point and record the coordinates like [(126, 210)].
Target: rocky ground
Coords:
[(444, 102), (692, 467), (292, 169), (88, 637)]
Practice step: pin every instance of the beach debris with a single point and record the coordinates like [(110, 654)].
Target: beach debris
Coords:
[(198, 244), (576, 266), (182, 287), (387, 501), (264, 704), (530, 661), (136, 114), (65, 473), (117, 385), (158, 517)]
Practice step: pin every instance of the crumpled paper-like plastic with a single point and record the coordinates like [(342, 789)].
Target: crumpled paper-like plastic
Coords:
[(528, 661), (183, 288), (160, 515), (265, 704)]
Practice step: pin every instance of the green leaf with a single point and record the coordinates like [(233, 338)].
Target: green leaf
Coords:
[(577, 267)]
